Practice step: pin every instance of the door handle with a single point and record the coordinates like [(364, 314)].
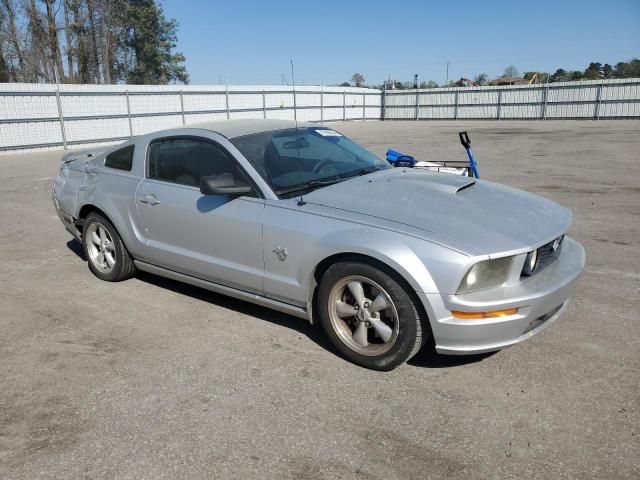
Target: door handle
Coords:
[(149, 200)]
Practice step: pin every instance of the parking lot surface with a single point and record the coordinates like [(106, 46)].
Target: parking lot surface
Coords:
[(153, 379)]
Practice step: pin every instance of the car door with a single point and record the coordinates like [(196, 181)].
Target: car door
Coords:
[(213, 237)]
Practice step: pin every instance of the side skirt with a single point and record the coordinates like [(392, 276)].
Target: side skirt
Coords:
[(232, 292)]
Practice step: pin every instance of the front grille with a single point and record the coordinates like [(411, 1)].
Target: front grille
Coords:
[(549, 251)]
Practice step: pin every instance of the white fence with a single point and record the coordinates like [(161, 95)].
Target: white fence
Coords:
[(598, 99), (37, 116)]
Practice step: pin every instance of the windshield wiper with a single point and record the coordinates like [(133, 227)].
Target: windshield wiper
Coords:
[(323, 183), (361, 172), (308, 186)]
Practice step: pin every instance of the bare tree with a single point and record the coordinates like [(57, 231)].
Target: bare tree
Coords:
[(81, 51), (88, 41), (511, 71), (54, 46), (481, 79), (39, 64), (5, 74), (4, 67), (94, 39), (13, 39), (106, 28), (68, 40), (358, 79)]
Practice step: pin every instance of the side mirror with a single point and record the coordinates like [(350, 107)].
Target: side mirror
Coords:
[(224, 184)]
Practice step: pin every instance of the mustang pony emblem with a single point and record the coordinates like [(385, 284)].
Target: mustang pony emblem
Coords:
[(281, 253)]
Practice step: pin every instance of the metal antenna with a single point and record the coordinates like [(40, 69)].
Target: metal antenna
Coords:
[(295, 119), (293, 86)]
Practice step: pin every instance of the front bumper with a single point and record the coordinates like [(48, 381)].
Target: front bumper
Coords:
[(540, 300)]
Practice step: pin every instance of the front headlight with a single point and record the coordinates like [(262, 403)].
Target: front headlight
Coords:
[(530, 263), (486, 274)]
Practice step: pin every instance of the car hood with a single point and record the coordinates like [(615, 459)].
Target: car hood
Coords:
[(487, 217)]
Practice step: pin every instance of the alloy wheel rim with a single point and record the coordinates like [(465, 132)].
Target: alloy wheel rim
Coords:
[(100, 248), (363, 315)]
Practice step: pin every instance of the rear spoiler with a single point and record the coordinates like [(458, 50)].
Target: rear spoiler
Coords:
[(84, 154)]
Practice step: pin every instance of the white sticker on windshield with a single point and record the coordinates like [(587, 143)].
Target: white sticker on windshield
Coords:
[(328, 133)]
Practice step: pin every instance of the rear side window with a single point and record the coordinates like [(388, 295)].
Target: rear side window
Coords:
[(121, 159)]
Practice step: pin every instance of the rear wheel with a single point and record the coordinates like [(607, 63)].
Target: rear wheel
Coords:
[(108, 258), (369, 316)]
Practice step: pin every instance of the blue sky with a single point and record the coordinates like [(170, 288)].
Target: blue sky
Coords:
[(251, 42)]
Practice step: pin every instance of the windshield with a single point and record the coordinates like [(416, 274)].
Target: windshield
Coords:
[(307, 157)]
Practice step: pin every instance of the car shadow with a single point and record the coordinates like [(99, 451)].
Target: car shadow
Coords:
[(429, 358), (313, 332), (426, 358), (76, 247)]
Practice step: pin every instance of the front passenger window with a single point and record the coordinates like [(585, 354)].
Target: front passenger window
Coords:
[(185, 161)]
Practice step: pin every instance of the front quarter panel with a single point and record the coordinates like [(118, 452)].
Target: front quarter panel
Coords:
[(310, 235)]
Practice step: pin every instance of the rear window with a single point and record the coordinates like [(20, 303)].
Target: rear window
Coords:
[(120, 159)]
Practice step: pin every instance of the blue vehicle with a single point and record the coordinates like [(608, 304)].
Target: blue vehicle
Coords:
[(456, 167)]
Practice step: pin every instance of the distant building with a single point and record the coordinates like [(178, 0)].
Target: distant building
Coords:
[(509, 81)]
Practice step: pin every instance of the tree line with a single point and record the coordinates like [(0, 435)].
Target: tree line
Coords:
[(595, 71), (88, 41)]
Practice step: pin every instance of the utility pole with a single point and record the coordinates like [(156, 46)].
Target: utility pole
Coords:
[(446, 83)]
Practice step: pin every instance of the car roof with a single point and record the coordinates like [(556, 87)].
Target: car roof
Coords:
[(241, 127)]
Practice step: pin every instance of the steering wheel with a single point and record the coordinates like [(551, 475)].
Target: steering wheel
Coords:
[(322, 164)]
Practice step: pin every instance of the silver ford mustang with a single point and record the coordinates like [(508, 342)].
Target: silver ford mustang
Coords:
[(301, 219)]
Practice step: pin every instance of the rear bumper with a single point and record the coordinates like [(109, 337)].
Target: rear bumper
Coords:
[(540, 300), (66, 219)]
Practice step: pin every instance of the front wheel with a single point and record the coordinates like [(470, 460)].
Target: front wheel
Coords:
[(369, 316)]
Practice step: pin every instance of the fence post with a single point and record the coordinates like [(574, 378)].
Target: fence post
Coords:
[(544, 104), (499, 103), (417, 105), (295, 105), (61, 116), (264, 105), (455, 110), (226, 98), (126, 92), (182, 107), (344, 105), (383, 102), (364, 106), (322, 104), (596, 112)]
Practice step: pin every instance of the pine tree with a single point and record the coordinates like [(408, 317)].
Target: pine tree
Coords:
[(593, 71), (152, 38)]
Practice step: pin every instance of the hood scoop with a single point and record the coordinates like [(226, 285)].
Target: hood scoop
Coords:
[(470, 183), (438, 182)]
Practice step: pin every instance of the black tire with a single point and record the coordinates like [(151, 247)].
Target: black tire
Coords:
[(411, 331), (123, 268)]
